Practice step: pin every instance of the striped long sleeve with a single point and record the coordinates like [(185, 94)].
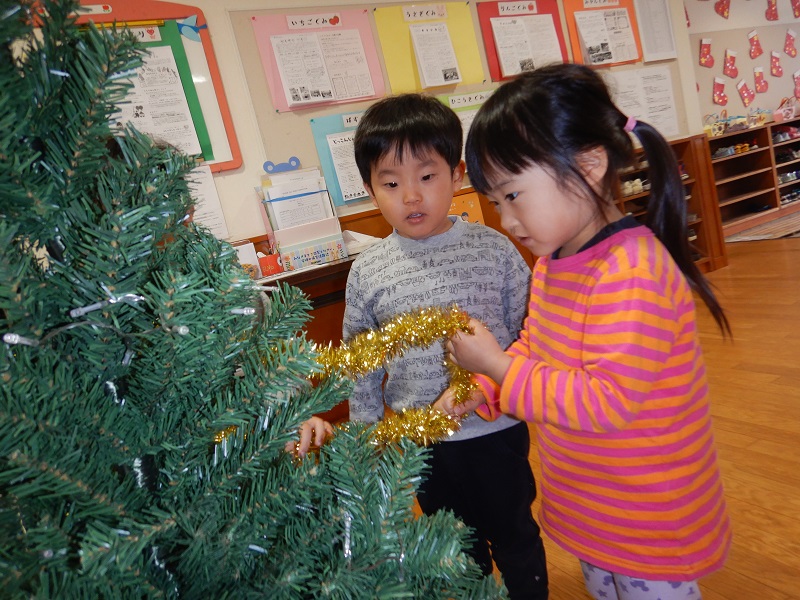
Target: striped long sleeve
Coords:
[(609, 364)]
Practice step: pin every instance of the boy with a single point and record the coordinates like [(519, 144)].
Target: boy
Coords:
[(408, 152)]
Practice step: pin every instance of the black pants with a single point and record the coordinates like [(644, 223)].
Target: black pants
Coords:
[(487, 482)]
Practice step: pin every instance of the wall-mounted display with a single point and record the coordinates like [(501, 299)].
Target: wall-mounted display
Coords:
[(603, 32), (521, 36), (428, 45), (182, 57), (466, 107), (333, 137), (318, 58)]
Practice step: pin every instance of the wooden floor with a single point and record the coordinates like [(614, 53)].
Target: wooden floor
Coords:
[(755, 395)]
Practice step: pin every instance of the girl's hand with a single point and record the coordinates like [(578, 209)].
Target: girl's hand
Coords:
[(446, 404), (320, 429), (479, 352)]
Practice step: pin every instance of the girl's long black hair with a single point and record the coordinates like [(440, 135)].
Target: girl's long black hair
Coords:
[(548, 117)]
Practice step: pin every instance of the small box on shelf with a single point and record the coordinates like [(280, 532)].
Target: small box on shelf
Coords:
[(298, 210)]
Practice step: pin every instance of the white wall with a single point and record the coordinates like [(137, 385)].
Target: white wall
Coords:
[(742, 13), (235, 188), (732, 34)]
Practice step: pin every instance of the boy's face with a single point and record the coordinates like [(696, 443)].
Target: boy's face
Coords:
[(415, 193)]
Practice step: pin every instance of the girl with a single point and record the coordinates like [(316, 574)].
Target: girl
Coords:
[(608, 362)]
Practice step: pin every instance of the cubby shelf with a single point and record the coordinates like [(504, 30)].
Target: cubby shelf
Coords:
[(748, 184), (701, 199)]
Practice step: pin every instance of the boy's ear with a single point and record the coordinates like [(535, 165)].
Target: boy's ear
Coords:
[(368, 187), (458, 176), (593, 164)]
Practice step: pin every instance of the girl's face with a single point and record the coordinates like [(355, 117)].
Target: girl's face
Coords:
[(544, 214)]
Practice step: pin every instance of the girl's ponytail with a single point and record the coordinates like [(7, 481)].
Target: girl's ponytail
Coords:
[(666, 213)]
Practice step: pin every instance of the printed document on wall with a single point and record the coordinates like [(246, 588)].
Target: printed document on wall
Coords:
[(207, 209), (322, 67), (302, 68), (525, 42), (606, 36), (655, 30), (156, 104), (347, 64), (436, 58), (647, 94), (344, 163)]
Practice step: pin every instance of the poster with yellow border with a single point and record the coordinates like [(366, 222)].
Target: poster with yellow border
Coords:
[(394, 33)]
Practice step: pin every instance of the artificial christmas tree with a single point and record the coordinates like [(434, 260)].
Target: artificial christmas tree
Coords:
[(149, 388)]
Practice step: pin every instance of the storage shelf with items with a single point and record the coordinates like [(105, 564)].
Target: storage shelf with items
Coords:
[(702, 213), (786, 152), (757, 174)]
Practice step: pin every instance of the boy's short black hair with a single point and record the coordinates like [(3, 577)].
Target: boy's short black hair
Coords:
[(413, 122)]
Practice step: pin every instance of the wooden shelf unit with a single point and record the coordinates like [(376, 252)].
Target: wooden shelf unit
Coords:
[(752, 186), (702, 207)]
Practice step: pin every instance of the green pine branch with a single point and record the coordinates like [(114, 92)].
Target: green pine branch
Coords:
[(149, 387)]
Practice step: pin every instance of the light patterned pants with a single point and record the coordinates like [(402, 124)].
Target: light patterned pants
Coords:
[(605, 585)]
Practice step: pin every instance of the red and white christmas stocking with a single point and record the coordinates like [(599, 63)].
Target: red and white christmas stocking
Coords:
[(762, 85), (723, 8), (796, 76), (795, 8), (772, 10), (745, 93), (730, 69), (720, 97), (775, 67), (788, 45), (755, 44), (706, 60)]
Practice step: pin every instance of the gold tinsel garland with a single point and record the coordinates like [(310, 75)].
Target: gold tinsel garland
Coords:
[(423, 426), (371, 349), (422, 327)]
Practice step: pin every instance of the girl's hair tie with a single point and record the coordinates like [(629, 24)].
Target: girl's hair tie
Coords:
[(630, 124)]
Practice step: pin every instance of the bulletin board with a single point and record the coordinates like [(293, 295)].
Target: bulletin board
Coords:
[(200, 56), (322, 127), (575, 6), (170, 36), (398, 51), (299, 133), (265, 26), (466, 107), (489, 10)]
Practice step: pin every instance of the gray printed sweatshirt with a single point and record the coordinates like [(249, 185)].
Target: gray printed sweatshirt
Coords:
[(471, 265)]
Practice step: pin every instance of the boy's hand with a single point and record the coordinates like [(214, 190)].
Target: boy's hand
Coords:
[(319, 428), (446, 404), (479, 352)]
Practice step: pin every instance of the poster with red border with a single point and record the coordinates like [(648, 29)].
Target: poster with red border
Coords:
[(490, 10), (573, 6)]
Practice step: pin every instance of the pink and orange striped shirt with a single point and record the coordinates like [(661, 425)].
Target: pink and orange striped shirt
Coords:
[(609, 364)]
